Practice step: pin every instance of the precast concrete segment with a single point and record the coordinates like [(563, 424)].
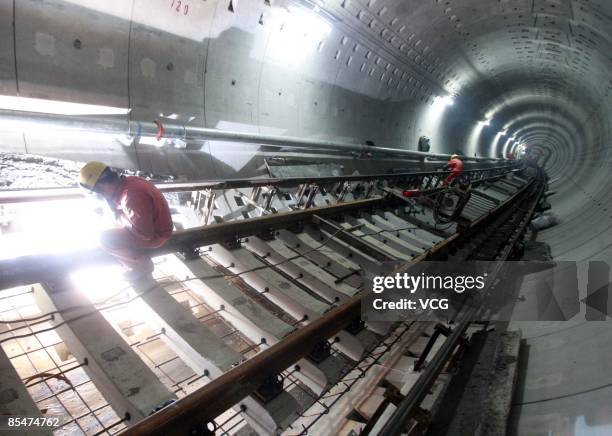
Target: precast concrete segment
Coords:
[(264, 250), (343, 249), (190, 339), (488, 191), (294, 300), (382, 233), (323, 256), (14, 397), (388, 250), (124, 380), (422, 235), (292, 297), (375, 235), (238, 306), (250, 317), (481, 192), (197, 345), (415, 244), (315, 270)]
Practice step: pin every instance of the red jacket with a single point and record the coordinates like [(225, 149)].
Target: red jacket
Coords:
[(145, 208), (455, 165)]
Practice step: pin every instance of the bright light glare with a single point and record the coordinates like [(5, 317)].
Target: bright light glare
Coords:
[(301, 32), (52, 227), (40, 105), (442, 102), (101, 283), (486, 122), (503, 132)]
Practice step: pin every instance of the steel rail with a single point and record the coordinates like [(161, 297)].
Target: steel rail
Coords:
[(25, 270), (228, 389), (12, 196), (241, 380), (21, 120), (206, 403), (409, 404), (29, 269)]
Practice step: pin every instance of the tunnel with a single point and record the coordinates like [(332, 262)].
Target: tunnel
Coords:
[(212, 95)]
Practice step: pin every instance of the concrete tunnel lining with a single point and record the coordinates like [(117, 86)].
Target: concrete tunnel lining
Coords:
[(540, 69)]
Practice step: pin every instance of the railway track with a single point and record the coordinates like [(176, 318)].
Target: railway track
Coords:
[(251, 321)]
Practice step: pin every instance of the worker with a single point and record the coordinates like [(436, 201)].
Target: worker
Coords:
[(455, 166), (140, 211)]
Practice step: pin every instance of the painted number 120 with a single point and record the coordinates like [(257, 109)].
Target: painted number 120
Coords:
[(176, 5)]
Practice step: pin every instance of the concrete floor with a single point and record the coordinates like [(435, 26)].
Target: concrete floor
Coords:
[(565, 381)]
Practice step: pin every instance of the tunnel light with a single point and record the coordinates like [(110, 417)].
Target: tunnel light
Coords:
[(302, 30), (41, 105), (486, 122), (503, 132), (444, 101)]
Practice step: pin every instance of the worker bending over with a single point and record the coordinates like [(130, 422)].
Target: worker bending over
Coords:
[(455, 166), (141, 213)]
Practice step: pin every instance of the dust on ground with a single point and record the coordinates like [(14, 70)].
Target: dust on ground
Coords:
[(30, 171)]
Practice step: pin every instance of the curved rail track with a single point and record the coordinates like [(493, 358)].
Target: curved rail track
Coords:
[(251, 322)]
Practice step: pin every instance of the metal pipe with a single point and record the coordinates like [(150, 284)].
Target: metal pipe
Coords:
[(22, 120), (11, 196)]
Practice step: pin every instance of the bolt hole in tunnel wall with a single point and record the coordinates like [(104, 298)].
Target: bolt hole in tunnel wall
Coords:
[(192, 90)]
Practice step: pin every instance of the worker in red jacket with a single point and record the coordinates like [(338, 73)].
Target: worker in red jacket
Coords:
[(455, 166), (141, 213)]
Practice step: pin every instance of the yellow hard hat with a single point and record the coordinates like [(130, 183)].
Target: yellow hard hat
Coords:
[(454, 156), (90, 174)]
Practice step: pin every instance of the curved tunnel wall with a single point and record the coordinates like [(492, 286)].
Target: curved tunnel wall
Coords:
[(266, 67), (350, 70), (537, 71)]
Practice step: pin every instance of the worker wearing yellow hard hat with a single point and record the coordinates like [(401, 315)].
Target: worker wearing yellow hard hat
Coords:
[(141, 213), (91, 173)]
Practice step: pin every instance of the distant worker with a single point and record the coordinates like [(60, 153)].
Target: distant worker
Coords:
[(366, 152), (141, 213), (455, 166)]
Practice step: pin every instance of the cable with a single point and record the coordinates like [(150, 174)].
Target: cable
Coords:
[(138, 295), (387, 231)]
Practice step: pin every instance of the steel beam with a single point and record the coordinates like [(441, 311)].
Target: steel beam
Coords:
[(51, 194), (25, 270)]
